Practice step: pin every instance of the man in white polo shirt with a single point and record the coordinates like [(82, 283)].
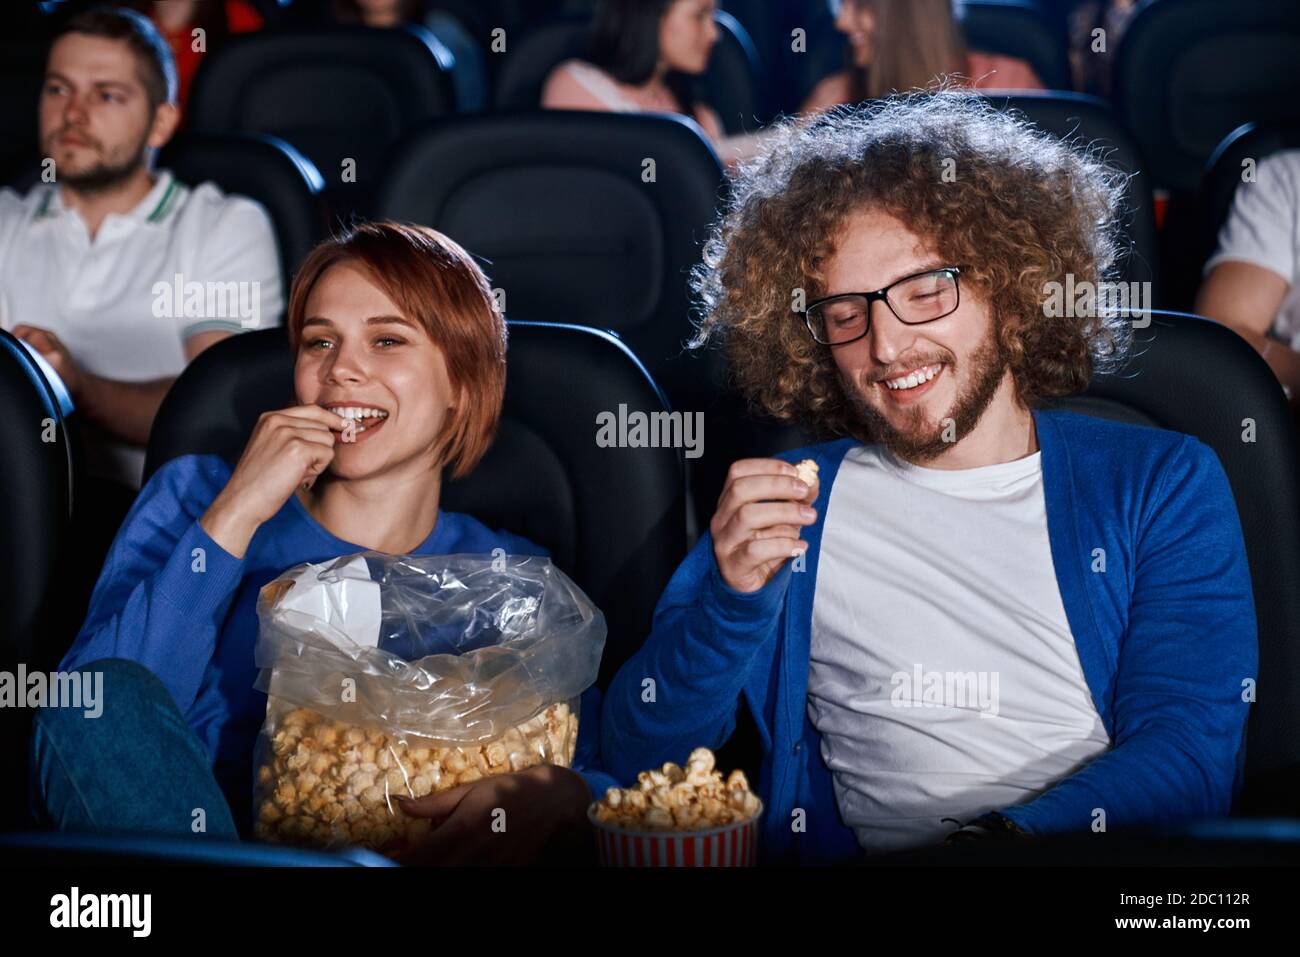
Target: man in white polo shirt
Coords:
[(116, 273)]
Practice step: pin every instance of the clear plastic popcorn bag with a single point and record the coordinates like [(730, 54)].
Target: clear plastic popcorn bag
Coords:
[(393, 675)]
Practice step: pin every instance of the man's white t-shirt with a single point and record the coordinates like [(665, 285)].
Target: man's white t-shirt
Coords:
[(943, 678), (1263, 229), (182, 262)]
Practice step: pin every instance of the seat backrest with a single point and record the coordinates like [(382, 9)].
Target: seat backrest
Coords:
[(335, 94), (613, 518), (1195, 376), (730, 86), (523, 70), (1240, 154), (1091, 123), (37, 473), (36, 476), (558, 206), (1018, 28), (265, 169), (1188, 73)]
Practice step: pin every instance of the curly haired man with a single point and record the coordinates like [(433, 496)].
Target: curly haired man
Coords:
[(988, 616)]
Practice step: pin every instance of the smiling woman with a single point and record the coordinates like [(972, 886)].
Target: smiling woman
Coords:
[(399, 374), (395, 329)]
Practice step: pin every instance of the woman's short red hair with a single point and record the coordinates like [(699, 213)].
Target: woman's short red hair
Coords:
[(437, 284)]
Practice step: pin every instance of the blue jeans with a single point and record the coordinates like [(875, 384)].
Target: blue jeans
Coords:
[(135, 768)]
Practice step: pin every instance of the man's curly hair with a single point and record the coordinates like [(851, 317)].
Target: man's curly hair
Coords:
[(1020, 209)]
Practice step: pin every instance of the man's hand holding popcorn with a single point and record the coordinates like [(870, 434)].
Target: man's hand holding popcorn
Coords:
[(761, 512)]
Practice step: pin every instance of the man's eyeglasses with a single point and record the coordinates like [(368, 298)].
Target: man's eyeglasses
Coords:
[(923, 297)]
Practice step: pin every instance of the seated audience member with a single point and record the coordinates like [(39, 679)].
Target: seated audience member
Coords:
[(645, 55), (177, 21), (99, 265), (389, 318), (987, 616), (449, 28), (1252, 283), (900, 45), (1091, 61)]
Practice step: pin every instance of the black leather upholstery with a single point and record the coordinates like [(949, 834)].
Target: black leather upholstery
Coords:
[(730, 85), (731, 82), (612, 518), (555, 204), (334, 94), (37, 470), (1018, 28), (36, 476), (1091, 122), (1195, 376), (1188, 73), (263, 168)]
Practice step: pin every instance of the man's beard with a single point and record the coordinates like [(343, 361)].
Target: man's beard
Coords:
[(988, 365), (104, 175)]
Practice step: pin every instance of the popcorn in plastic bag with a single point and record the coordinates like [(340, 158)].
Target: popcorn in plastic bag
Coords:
[(473, 667)]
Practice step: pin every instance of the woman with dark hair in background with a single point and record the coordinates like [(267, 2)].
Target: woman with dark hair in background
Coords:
[(645, 56), (906, 44)]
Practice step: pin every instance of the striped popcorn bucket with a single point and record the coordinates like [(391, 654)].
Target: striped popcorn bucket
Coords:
[(731, 845)]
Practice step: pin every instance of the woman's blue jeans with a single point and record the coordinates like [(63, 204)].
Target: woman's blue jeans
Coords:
[(135, 768)]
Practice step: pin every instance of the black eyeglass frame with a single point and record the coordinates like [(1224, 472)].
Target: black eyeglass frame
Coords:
[(872, 297)]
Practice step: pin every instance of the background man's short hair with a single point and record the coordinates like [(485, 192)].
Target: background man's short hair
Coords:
[(154, 57)]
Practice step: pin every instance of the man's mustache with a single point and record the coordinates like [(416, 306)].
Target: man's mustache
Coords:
[(65, 130), (904, 368)]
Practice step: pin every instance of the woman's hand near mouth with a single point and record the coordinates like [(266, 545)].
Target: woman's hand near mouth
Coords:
[(287, 448)]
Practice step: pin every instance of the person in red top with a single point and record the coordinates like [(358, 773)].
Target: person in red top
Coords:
[(177, 21), (907, 44)]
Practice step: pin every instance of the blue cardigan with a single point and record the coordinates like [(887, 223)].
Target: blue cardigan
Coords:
[(1166, 637), (194, 625)]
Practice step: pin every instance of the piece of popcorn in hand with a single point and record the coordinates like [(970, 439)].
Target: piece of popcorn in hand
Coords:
[(807, 472)]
